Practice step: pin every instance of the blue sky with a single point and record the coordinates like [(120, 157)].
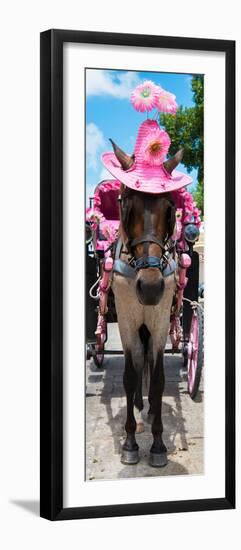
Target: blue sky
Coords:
[(109, 114)]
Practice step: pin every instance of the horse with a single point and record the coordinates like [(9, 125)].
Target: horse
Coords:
[(143, 304)]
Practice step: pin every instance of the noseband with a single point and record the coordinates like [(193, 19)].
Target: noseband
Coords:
[(165, 263)]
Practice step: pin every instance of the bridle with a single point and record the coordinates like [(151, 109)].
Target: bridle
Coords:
[(165, 262)]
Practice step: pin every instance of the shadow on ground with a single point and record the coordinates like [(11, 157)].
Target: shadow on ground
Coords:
[(110, 415), (32, 506)]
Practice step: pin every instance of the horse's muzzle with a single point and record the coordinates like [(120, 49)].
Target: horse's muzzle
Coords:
[(148, 292)]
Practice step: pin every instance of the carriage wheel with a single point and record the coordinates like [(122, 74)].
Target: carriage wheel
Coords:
[(175, 333), (98, 355), (195, 352), (97, 352)]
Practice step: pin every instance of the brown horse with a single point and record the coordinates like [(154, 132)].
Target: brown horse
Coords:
[(143, 305)]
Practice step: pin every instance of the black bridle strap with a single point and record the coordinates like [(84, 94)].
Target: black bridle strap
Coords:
[(148, 261), (167, 265), (147, 239)]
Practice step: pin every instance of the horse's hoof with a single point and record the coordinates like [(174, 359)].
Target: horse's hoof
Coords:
[(158, 460), (140, 428), (129, 457)]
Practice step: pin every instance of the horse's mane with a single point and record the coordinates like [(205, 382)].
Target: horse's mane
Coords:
[(125, 205)]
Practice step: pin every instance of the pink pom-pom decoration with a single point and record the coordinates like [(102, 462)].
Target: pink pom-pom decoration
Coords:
[(166, 102), (185, 203), (155, 147), (145, 96), (94, 217), (178, 225), (109, 231)]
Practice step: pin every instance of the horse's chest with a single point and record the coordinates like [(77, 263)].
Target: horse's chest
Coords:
[(130, 310), (125, 293)]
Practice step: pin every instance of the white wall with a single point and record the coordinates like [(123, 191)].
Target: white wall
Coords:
[(21, 23)]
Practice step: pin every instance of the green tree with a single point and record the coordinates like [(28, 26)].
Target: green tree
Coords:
[(186, 130)]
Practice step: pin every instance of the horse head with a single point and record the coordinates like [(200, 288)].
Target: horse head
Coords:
[(147, 223)]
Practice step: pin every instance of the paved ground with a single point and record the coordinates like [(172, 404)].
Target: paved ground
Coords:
[(106, 415)]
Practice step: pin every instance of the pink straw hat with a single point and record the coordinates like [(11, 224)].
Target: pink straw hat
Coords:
[(146, 170)]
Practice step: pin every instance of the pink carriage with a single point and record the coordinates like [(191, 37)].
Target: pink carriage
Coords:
[(186, 320)]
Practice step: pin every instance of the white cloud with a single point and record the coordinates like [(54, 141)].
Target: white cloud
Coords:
[(105, 174), (94, 143), (113, 83)]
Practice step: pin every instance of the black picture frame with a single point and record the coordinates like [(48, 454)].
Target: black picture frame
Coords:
[(51, 322)]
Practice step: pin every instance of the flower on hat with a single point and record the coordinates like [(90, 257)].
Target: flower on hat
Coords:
[(166, 102), (155, 147), (144, 96)]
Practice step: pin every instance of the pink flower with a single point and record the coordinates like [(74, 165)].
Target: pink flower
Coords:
[(97, 201), (166, 102), (106, 186), (144, 97), (179, 213), (155, 147), (109, 231), (196, 211), (178, 225), (93, 216)]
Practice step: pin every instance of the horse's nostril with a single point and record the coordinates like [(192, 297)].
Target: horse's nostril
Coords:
[(149, 293)]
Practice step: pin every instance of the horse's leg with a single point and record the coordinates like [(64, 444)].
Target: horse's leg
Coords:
[(130, 318), (139, 421), (130, 378), (158, 449), (158, 321), (138, 404), (132, 381), (150, 372)]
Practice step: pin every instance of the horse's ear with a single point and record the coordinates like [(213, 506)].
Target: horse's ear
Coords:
[(172, 163), (125, 160)]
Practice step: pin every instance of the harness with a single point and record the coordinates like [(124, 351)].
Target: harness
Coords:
[(173, 259), (129, 268)]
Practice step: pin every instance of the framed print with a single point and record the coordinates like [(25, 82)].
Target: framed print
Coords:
[(137, 274)]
